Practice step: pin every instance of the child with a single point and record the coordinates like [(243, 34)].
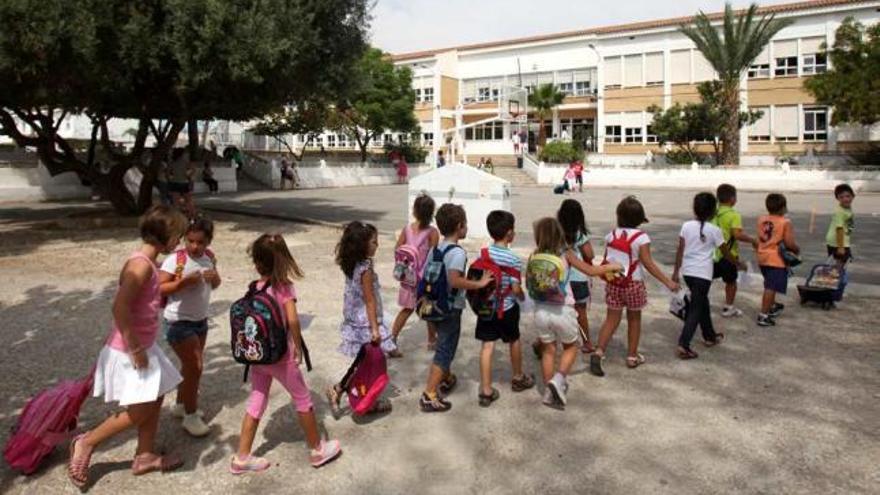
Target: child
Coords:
[(402, 171), (277, 268), (362, 309), (423, 237), (187, 278), (774, 232), (629, 292), (696, 246), (727, 267), (208, 177), (841, 227), (128, 365), (500, 225), (558, 322), (452, 222), (577, 237)]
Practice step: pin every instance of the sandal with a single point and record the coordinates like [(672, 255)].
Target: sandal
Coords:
[(524, 382), (633, 362), (333, 395), (686, 354), (587, 347), (148, 463), (719, 337), (448, 384), (487, 400), (78, 470)]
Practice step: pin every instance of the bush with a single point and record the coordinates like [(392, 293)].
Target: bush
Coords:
[(684, 157), (560, 152), (411, 153)]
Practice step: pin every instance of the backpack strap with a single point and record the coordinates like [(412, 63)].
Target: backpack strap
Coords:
[(180, 256)]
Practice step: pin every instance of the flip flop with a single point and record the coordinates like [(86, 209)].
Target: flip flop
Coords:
[(163, 463)]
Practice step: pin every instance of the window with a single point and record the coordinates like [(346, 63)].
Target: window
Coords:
[(759, 71), (483, 93), (613, 134), (493, 131), (613, 69), (428, 138), (786, 66), (815, 124), (567, 88), (680, 66), (815, 63), (654, 73), (387, 138), (632, 71), (583, 88), (428, 95), (342, 139), (633, 134), (331, 140), (759, 132), (650, 136), (418, 93), (785, 123)]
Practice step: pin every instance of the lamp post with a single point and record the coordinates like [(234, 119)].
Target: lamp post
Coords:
[(599, 132)]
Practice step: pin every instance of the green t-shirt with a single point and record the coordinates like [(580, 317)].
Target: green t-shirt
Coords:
[(842, 217), (727, 219)]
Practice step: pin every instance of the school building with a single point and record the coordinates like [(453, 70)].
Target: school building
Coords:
[(611, 75)]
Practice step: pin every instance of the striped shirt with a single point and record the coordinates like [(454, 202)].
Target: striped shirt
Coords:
[(503, 256)]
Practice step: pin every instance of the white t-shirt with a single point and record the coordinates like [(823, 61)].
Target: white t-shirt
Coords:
[(191, 303), (698, 258), (615, 256)]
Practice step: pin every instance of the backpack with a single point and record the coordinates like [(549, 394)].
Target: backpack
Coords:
[(407, 261), (620, 248), (433, 297), (259, 332), (368, 378), (178, 269), (488, 302), (48, 419), (545, 278)]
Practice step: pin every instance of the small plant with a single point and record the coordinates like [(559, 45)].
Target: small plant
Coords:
[(561, 152), (412, 153)]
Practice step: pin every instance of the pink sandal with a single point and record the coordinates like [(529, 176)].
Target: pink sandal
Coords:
[(78, 470)]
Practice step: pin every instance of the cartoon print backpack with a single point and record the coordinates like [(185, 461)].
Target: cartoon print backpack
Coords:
[(368, 379), (407, 261), (433, 297), (546, 275), (619, 250), (488, 302), (178, 268)]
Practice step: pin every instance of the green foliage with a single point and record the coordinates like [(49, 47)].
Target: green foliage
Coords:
[(542, 101), (686, 157), (379, 99), (851, 84), (412, 152), (560, 152)]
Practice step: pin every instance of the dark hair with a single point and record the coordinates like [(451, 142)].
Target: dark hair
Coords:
[(726, 193), (775, 203), (160, 224), (571, 217), (499, 223), (549, 237), (843, 188), (203, 225), (449, 218), (705, 207), (423, 210), (630, 213), (272, 259), (354, 247)]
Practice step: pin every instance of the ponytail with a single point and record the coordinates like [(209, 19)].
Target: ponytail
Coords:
[(702, 235)]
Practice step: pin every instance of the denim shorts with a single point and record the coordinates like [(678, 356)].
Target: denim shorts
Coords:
[(448, 332), (775, 279), (580, 291), (178, 331)]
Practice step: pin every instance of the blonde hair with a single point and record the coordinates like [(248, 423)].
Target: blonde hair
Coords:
[(160, 224), (272, 259), (549, 236)]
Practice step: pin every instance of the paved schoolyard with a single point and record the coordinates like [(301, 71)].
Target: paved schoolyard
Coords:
[(793, 409)]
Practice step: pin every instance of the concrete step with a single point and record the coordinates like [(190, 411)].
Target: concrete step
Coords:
[(516, 176)]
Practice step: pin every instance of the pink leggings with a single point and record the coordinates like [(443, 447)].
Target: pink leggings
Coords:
[(285, 371)]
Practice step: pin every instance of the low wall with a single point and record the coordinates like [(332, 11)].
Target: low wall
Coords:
[(744, 178), (316, 175)]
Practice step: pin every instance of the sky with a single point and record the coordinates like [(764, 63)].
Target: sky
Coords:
[(400, 26)]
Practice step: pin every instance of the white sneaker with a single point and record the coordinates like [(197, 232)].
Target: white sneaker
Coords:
[(548, 399), (558, 387), (731, 312), (195, 425), (178, 411), (327, 451)]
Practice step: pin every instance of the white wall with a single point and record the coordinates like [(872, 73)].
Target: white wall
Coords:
[(313, 175)]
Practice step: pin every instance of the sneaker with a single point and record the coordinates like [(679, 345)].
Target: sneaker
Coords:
[(249, 464), (178, 411), (776, 310), (524, 382), (548, 399), (448, 384), (765, 321), (596, 364), (427, 404), (557, 388), (195, 425), (731, 312), (327, 451)]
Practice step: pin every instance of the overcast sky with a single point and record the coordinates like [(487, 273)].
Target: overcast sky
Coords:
[(410, 25)]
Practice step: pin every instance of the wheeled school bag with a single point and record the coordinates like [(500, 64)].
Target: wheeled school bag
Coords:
[(559, 189), (546, 275), (825, 285), (433, 297), (488, 303), (369, 379)]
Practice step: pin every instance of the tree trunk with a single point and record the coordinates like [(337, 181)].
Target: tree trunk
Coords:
[(192, 129), (730, 136), (542, 135)]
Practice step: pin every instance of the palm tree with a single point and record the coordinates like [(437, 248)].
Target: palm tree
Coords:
[(731, 50), (543, 100)]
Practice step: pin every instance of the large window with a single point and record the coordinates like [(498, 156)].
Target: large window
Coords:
[(654, 73), (493, 131), (650, 136), (613, 134), (427, 138), (331, 140), (815, 124), (566, 88), (633, 134), (760, 130), (342, 140), (815, 63), (785, 123), (786, 66), (759, 71)]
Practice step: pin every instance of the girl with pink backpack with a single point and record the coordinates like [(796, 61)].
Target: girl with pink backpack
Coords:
[(414, 243)]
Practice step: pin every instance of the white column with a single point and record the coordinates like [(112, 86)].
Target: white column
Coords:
[(667, 79), (771, 109), (832, 132), (800, 63), (800, 121), (744, 106), (439, 137), (556, 131)]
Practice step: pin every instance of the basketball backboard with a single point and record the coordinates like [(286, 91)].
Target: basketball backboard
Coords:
[(513, 103)]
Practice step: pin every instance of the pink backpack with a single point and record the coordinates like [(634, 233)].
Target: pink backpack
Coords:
[(368, 380), (408, 259), (48, 419)]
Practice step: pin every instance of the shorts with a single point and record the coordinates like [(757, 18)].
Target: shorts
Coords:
[(775, 279), (179, 187), (580, 291), (448, 332), (579, 179), (556, 323), (178, 331), (506, 329), (630, 294), (725, 270), (847, 256)]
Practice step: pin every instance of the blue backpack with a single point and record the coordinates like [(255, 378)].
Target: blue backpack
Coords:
[(434, 299)]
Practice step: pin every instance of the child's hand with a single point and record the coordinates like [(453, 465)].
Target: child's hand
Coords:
[(211, 276), (675, 277), (192, 279), (486, 279), (297, 354), (139, 359), (673, 286), (375, 336)]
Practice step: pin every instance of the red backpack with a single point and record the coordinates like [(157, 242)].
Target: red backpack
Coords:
[(368, 380), (620, 249), (489, 301)]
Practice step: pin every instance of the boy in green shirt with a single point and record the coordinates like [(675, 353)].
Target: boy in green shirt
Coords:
[(840, 229), (730, 222)]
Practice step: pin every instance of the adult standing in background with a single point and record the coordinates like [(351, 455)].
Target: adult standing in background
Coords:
[(180, 182), (441, 160)]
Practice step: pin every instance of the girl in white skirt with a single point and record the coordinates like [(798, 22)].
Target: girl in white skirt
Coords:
[(132, 370)]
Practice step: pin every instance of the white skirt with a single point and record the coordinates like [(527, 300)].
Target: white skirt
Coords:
[(118, 381)]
